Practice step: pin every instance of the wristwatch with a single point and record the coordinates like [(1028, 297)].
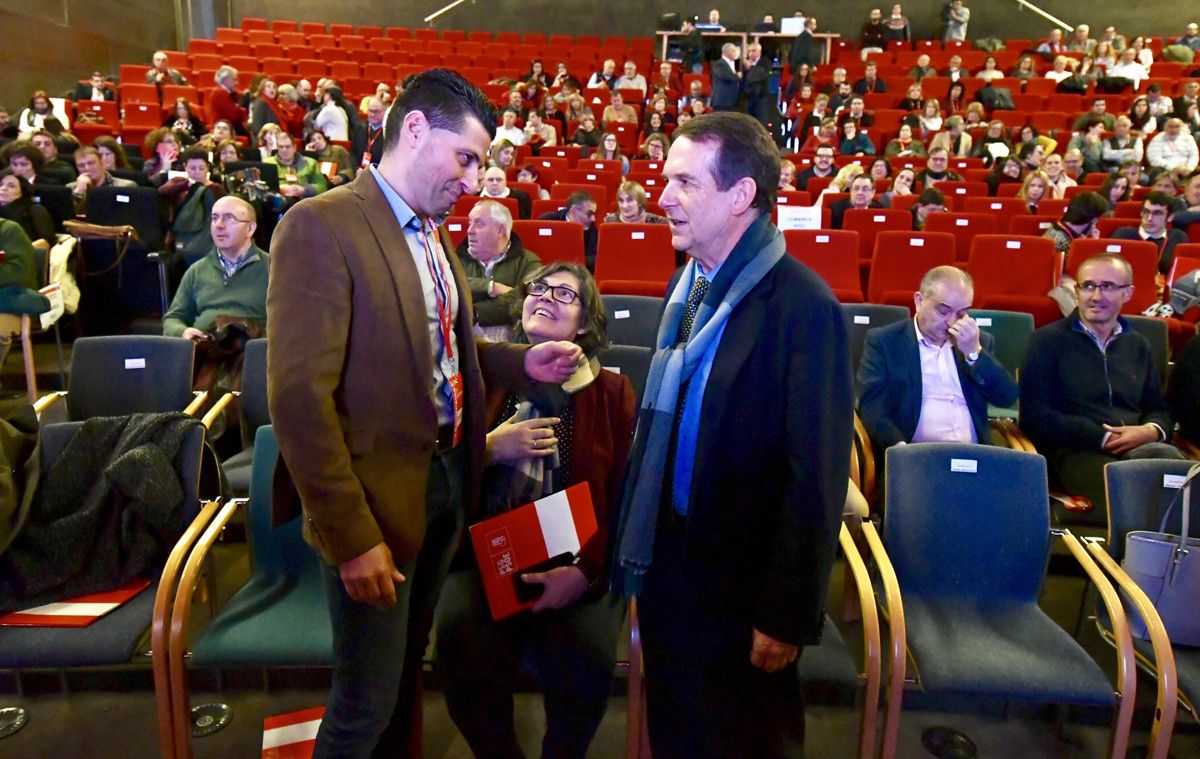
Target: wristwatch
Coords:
[(972, 357)]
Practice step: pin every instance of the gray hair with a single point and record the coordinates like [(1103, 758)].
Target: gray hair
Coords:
[(499, 213), (940, 274), (224, 72)]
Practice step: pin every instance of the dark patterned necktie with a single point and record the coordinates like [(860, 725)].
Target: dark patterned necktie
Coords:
[(699, 288)]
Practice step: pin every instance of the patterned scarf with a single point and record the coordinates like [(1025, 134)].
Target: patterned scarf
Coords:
[(759, 249)]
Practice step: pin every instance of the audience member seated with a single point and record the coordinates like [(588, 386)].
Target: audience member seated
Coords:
[(495, 185), (366, 144), (990, 72), (666, 80), (862, 196), (937, 169), (26, 161), (1158, 214), (97, 88), (92, 174), (1173, 149), (503, 154), (656, 147), (299, 175), (334, 160), (1164, 181), (787, 176), (954, 70), (576, 109), (839, 99), (161, 73), (1064, 68), (955, 101), (1121, 147), (227, 152), (631, 79), (952, 138), (914, 101), (586, 134), (51, 160), (291, 113), (1007, 170), (508, 129), (856, 111), (930, 380), (931, 200), (618, 111), (192, 198), (162, 150), (1183, 391), (904, 146), (1190, 213), (605, 77), (581, 209), (1129, 67), (974, 118), (855, 142), (870, 82), (223, 100), (18, 271), (1034, 189), (1141, 121), (496, 263), (538, 133), (16, 204), (695, 92), (383, 93), (610, 150), (922, 69), (1024, 68), (32, 118), (826, 134), (1031, 154), (631, 205), (263, 107), (904, 183), (994, 143), (1078, 221), (1090, 390), (822, 166), (1053, 44), (540, 445), (184, 122), (1056, 176), (529, 173)]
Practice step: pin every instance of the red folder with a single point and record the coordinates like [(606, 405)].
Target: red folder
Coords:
[(510, 543), (80, 611), (292, 735)]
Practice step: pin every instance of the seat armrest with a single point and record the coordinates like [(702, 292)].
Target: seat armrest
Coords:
[(898, 650), (211, 415), (199, 397), (1164, 656), (872, 646), (1123, 641), (46, 401)]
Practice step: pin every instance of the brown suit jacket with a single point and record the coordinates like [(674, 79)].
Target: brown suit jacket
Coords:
[(349, 368)]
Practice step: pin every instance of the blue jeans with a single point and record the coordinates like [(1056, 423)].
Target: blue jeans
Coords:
[(374, 704)]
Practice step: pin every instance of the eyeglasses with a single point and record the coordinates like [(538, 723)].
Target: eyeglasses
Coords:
[(560, 293), (228, 218), (1108, 288)]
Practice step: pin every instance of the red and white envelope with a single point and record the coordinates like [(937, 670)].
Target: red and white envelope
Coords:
[(510, 543), (80, 611), (292, 735)]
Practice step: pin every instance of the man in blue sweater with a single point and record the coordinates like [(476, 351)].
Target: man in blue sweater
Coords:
[(1090, 390)]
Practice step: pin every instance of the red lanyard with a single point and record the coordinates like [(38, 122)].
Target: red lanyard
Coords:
[(441, 292)]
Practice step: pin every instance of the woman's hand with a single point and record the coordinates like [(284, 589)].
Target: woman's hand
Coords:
[(561, 587), (512, 441)]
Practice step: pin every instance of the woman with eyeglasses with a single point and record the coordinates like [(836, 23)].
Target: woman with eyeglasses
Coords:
[(161, 149), (555, 437)]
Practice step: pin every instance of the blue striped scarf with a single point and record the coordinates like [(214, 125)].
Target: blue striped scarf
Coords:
[(759, 249)]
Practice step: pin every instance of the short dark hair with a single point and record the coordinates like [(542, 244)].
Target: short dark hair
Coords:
[(1027, 149), (744, 149), (594, 320), (28, 151), (445, 98), (194, 154), (930, 196), (577, 197), (1085, 208), (1160, 198)]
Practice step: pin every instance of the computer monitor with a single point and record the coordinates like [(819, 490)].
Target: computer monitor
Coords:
[(669, 22), (791, 25)]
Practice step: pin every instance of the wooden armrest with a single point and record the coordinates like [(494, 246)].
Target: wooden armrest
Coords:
[(1190, 449), (868, 458), (46, 401), (1122, 640), (161, 621), (637, 734), (899, 640), (872, 653), (198, 400), (856, 505), (1164, 656), (180, 614), (215, 411)]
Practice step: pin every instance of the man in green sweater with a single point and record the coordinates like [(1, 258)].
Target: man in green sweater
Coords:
[(299, 175), (230, 281)]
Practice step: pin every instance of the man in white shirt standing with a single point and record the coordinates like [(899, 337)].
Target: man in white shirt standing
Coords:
[(931, 379)]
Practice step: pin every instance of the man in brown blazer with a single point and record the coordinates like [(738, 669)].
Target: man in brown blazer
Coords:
[(376, 394)]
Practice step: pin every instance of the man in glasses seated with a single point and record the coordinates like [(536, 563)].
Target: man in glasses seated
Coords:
[(1090, 389), (1158, 211)]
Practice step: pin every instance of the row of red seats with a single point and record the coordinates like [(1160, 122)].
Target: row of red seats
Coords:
[(255, 26)]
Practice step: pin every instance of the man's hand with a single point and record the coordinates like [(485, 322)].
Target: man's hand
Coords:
[(771, 655), (371, 578), (499, 288), (965, 334), (191, 333), (82, 183), (1122, 440), (562, 586), (552, 362), (513, 441)]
